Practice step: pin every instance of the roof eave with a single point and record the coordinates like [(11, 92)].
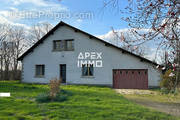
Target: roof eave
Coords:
[(61, 23)]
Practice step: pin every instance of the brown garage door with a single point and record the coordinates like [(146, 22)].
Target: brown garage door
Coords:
[(130, 78)]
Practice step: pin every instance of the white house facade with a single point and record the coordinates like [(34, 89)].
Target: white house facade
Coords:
[(80, 58)]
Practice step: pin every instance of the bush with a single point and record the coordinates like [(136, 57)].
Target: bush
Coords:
[(164, 91), (54, 88), (60, 97), (54, 93), (167, 83), (65, 92), (43, 97)]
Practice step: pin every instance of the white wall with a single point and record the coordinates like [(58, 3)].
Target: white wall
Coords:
[(112, 59)]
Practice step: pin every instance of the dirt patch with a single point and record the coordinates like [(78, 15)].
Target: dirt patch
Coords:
[(173, 109), (134, 91), (139, 97)]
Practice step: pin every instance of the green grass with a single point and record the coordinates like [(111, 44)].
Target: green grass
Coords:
[(85, 103), (157, 96)]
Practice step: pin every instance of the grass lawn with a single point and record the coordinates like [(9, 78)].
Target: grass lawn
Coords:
[(86, 103), (168, 103), (157, 96)]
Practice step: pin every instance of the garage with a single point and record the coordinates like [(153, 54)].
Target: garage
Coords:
[(130, 78)]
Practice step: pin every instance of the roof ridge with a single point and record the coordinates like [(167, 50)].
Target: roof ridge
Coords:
[(61, 23)]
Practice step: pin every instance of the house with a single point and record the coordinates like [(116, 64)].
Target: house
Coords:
[(81, 58)]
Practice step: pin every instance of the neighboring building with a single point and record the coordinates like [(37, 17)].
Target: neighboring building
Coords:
[(60, 51)]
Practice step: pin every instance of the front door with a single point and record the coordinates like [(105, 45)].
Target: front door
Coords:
[(63, 72)]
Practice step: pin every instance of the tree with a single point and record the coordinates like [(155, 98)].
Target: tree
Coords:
[(118, 38), (14, 40), (17, 38), (6, 57), (12, 44), (154, 20), (5, 47), (39, 30), (3, 35)]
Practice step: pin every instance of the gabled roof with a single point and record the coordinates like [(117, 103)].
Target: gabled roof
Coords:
[(90, 36)]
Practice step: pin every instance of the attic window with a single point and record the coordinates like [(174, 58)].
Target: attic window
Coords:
[(63, 45)]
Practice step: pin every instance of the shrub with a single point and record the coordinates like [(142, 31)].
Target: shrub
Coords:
[(164, 91), (65, 92), (43, 97), (54, 94), (60, 97), (167, 83), (54, 88)]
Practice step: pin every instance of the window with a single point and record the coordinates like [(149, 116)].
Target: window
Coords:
[(69, 45), (40, 70), (87, 70), (63, 45), (58, 45)]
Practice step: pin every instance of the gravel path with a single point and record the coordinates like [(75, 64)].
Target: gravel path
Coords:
[(173, 109), (134, 91)]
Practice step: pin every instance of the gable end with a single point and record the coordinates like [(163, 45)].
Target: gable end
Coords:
[(107, 44)]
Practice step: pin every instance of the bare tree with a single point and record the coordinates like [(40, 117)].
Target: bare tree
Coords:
[(12, 44), (126, 44), (39, 30), (6, 55), (17, 38), (154, 20), (117, 37), (3, 35)]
